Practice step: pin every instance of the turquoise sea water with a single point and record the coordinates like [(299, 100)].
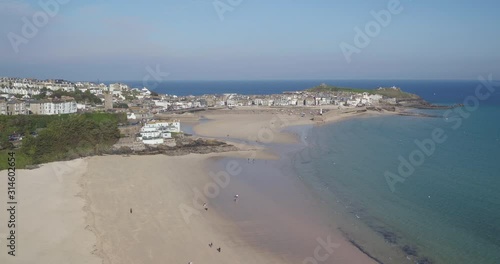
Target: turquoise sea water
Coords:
[(429, 89), (447, 210)]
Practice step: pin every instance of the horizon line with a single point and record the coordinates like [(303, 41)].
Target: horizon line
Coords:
[(318, 79)]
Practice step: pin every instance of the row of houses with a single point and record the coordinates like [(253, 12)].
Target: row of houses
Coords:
[(155, 132), (56, 106), (30, 86), (12, 107), (142, 102), (288, 99), (25, 91), (30, 83)]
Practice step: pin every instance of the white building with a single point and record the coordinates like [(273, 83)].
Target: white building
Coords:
[(375, 98), (145, 91), (163, 104), (20, 90), (174, 126), (154, 133), (151, 136), (81, 106), (16, 107), (65, 105), (131, 116)]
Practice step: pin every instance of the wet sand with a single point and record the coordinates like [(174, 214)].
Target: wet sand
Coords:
[(147, 209), (168, 223), (289, 216), (276, 212)]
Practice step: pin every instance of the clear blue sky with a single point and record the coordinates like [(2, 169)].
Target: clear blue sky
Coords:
[(278, 39)]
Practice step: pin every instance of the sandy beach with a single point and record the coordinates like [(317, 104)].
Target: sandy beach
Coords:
[(266, 125), (51, 216), (149, 209)]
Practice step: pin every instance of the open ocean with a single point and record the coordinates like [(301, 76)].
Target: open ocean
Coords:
[(445, 90), (446, 211)]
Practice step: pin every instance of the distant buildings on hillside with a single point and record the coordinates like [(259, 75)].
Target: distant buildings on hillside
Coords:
[(141, 103), (65, 105)]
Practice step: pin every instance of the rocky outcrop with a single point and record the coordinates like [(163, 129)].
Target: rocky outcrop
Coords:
[(381, 108), (182, 146), (422, 104)]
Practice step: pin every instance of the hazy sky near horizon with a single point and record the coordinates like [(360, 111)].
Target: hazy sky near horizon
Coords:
[(278, 39)]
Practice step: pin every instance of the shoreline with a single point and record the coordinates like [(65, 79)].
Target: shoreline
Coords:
[(405, 246), (289, 129), (155, 185), (268, 125), (328, 220)]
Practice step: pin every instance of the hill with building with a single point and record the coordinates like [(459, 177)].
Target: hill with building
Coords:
[(391, 92)]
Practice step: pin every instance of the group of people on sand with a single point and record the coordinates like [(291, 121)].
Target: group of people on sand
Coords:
[(212, 244), (236, 197)]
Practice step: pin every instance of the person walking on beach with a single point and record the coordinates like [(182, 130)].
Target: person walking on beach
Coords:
[(130, 210), (236, 198)]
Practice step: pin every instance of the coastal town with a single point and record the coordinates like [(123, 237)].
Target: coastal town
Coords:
[(22, 96), (143, 107), (45, 121), (50, 121), (249, 132)]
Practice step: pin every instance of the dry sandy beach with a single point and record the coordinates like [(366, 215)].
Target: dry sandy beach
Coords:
[(265, 125), (51, 216), (145, 209)]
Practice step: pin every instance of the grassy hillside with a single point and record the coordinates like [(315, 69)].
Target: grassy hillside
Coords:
[(395, 93), (329, 89), (389, 92)]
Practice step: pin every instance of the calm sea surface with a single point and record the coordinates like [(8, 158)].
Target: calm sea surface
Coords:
[(447, 210), (424, 88)]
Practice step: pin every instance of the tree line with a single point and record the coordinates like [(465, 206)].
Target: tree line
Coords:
[(52, 138)]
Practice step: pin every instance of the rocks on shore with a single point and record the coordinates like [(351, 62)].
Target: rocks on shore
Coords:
[(182, 146), (422, 104)]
